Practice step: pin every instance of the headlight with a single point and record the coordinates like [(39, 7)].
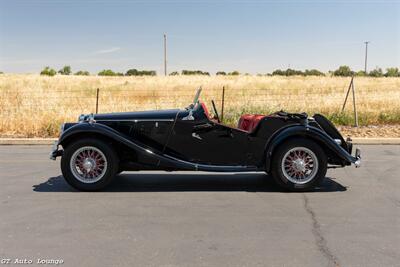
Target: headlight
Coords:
[(81, 117)]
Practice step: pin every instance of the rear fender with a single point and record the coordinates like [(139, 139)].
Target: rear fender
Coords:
[(312, 133)]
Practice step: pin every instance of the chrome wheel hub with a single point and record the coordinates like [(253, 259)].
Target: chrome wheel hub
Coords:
[(88, 164), (299, 165)]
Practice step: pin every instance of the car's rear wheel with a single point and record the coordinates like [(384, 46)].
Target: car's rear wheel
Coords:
[(89, 164), (299, 165)]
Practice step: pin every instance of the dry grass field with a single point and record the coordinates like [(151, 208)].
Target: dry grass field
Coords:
[(35, 106)]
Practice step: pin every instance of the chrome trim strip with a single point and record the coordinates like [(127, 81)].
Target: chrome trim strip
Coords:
[(140, 120)]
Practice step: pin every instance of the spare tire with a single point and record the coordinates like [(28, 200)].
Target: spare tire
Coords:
[(330, 129)]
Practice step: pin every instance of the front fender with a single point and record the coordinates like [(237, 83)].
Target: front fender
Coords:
[(310, 132), (106, 131)]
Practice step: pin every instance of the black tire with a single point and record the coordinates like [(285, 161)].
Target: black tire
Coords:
[(110, 170), (315, 179)]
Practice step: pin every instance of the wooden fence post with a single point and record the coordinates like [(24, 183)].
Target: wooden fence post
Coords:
[(97, 100), (354, 105), (347, 94), (223, 103)]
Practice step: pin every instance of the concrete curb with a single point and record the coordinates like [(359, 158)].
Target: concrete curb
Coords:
[(50, 141), (27, 141)]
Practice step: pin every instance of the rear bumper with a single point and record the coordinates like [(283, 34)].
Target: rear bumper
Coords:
[(356, 159), (357, 155)]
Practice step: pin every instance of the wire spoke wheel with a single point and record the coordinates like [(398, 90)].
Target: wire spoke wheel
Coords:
[(299, 165), (88, 164)]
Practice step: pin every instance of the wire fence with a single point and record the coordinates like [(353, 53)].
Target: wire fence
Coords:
[(28, 109), (117, 98)]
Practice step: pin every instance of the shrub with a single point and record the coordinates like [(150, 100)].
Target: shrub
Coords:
[(392, 72), (234, 73), (135, 72), (343, 71), (48, 71), (278, 72), (174, 73), (360, 73), (82, 73), (149, 72), (292, 72), (377, 72), (107, 73), (288, 72), (313, 72), (221, 73), (195, 72), (66, 70)]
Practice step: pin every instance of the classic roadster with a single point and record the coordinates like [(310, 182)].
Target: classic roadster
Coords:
[(293, 148)]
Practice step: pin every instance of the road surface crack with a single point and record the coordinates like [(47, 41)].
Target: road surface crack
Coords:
[(319, 238)]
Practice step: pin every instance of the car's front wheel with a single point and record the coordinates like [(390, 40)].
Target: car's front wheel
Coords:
[(89, 164), (299, 164)]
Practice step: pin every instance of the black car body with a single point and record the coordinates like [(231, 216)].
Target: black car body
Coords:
[(189, 139)]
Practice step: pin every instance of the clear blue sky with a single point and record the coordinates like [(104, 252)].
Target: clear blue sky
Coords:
[(249, 36)]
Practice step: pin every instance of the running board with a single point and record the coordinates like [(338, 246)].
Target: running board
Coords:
[(209, 168)]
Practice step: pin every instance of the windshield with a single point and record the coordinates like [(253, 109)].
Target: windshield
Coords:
[(196, 97), (195, 100)]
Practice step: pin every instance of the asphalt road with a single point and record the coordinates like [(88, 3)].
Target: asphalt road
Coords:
[(200, 219)]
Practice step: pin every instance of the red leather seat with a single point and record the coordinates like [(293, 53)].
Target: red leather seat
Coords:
[(205, 109), (248, 122)]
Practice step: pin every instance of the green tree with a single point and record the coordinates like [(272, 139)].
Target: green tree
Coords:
[(377, 72), (313, 72), (293, 72), (195, 72), (360, 73), (234, 73), (82, 73), (135, 72), (343, 71), (66, 70), (278, 72), (106, 73), (174, 73), (132, 72), (221, 73), (48, 71), (392, 72)]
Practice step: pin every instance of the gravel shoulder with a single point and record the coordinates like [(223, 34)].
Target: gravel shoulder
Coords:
[(382, 131)]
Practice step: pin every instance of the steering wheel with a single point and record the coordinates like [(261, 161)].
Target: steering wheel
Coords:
[(215, 111)]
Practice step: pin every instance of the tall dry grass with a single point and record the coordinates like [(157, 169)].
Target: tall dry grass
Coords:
[(35, 106)]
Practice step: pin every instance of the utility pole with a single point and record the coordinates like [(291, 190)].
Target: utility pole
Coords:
[(165, 54), (366, 56)]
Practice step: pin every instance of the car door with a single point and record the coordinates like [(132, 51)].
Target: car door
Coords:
[(204, 141)]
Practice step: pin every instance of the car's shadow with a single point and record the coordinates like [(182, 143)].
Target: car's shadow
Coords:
[(176, 182)]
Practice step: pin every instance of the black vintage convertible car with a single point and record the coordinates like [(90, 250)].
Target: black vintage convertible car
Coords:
[(293, 148)]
